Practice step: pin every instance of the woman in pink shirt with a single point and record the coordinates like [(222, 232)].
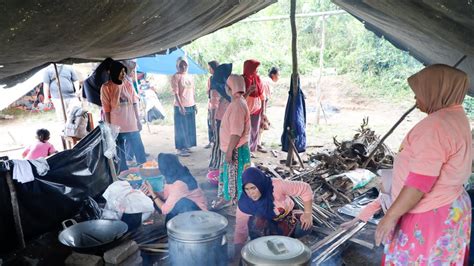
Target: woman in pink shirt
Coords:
[(40, 149), (185, 108), (234, 134), (429, 221), (181, 192), (213, 103), (119, 102), (266, 208)]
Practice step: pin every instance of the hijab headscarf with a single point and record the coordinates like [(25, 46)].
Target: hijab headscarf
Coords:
[(219, 79), (178, 62), (236, 84), (173, 170), (251, 77), (115, 69), (264, 205), (213, 64), (439, 86)]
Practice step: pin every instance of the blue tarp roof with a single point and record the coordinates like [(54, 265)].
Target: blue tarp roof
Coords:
[(166, 64)]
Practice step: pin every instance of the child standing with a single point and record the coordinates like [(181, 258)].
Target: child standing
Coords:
[(42, 148)]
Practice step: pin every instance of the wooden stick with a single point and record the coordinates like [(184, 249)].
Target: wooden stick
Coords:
[(60, 93), (322, 257), (157, 250), (292, 144), (357, 241), (372, 153), (16, 210)]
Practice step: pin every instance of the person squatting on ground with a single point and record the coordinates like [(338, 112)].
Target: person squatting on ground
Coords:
[(181, 191), (266, 208)]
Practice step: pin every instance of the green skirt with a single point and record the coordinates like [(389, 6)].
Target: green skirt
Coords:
[(230, 176)]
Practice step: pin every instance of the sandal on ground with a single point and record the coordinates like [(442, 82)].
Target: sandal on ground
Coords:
[(183, 153), (262, 149)]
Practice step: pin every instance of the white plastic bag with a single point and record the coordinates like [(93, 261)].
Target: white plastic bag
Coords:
[(122, 198), (360, 177), (109, 134)]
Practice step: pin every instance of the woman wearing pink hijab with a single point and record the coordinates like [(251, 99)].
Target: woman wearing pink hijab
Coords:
[(429, 221), (234, 138)]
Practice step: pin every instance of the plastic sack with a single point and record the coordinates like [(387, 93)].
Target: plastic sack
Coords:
[(122, 198), (109, 135), (360, 177)]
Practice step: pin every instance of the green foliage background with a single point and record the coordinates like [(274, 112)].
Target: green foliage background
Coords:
[(375, 64)]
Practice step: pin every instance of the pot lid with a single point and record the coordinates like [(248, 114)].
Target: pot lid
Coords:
[(276, 250), (196, 225)]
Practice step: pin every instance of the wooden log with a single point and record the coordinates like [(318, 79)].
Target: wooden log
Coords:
[(16, 210)]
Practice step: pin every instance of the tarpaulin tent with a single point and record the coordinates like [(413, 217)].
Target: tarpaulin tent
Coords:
[(166, 64), (44, 203), (33, 34)]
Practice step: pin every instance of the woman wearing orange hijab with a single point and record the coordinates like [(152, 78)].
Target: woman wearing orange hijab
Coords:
[(429, 222)]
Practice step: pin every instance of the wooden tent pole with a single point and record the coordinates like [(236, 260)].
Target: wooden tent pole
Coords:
[(60, 92), (294, 75), (16, 210)]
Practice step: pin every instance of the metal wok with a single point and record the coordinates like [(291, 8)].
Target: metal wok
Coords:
[(92, 236)]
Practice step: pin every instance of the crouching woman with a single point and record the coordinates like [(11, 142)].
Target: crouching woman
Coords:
[(181, 192), (265, 208)]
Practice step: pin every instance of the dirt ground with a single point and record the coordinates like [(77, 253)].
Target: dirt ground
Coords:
[(344, 108)]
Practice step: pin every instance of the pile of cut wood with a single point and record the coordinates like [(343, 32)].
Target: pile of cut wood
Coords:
[(331, 188)]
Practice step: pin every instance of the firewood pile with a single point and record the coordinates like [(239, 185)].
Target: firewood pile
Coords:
[(331, 188), (352, 154)]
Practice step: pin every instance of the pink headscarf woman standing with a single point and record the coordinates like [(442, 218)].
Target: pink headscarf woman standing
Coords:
[(429, 222)]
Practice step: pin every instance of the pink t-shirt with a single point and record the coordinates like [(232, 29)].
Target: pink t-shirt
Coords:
[(282, 191), (119, 100), (255, 104), (38, 150), (267, 84), (182, 85), (174, 192), (236, 121), (438, 146), (221, 108)]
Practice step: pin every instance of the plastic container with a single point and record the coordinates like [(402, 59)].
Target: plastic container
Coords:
[(149, 172), (134, 183), (156, 182)]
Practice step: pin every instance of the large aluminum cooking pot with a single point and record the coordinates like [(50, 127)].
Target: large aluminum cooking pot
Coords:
[(197, 238), (275, 250), (94, 235)]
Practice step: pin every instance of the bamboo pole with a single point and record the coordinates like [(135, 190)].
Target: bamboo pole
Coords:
[(294, 75)]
